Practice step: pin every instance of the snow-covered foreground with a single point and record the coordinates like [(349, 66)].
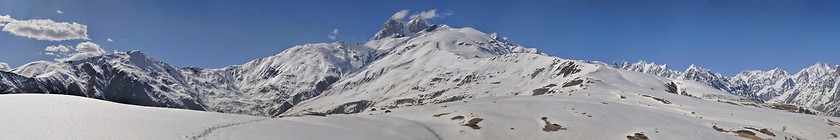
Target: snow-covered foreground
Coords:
[(615, 105), (601, 111), (45, 116)]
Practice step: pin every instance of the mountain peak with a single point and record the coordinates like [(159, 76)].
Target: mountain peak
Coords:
[(694, 67), (392, 28), (497, 37), (396, 27), (819, 65), (778, 71), (643, 62), (4, 66), (652, 68), (417, 24), (819, 68), (694, 71), (136, 53)]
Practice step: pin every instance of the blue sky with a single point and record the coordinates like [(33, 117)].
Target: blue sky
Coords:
[(726, 36)]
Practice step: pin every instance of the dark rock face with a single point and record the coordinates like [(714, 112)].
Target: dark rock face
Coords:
[(352, 107), (392, 28), (396, 28), (417, 24)]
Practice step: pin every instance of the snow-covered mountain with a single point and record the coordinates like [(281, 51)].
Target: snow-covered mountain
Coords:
[(129, 77), (815, 87), (265, 87), (610, 104), (4, 66), (407, 63)]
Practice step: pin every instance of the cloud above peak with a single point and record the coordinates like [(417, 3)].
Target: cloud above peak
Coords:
[(85, 50), (44, 29), (57, 50), (333, 34), (430, 14), (81, 51), (399, 15), (427, 14)]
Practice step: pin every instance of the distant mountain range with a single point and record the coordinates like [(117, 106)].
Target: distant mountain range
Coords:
[(816, 86)]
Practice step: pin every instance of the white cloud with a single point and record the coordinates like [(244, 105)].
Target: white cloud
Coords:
[(428, 14), (431, 14), (110, 40), (89, 47), (59, 12), (399, 15), (447, 13), (333, 34), (57, 50), (44, 29), (81, 51), (5, 19)]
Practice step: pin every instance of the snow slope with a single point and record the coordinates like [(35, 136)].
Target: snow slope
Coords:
[(4, 66), (614, 105), (46, 116), (412, 73)]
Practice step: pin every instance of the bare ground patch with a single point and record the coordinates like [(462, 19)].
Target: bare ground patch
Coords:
[(551, 127), (473, 123), (637, 136), (747, 133), (792, 108), (441, 114), (459, 117), (664, 101), (762, 130), (832, 123)]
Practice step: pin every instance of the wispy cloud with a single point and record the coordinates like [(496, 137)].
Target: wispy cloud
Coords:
[(399, 15), (431, 14), (85, 50), (57, 50), (110, 40), (81, 51), (44, 29), (5, 19), (333, 34), (59, 12)]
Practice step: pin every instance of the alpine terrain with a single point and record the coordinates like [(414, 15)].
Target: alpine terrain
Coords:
[(412, 80)]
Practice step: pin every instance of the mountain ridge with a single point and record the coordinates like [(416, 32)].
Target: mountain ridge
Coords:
[(404, 64), (265, 87), (814, 86)]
